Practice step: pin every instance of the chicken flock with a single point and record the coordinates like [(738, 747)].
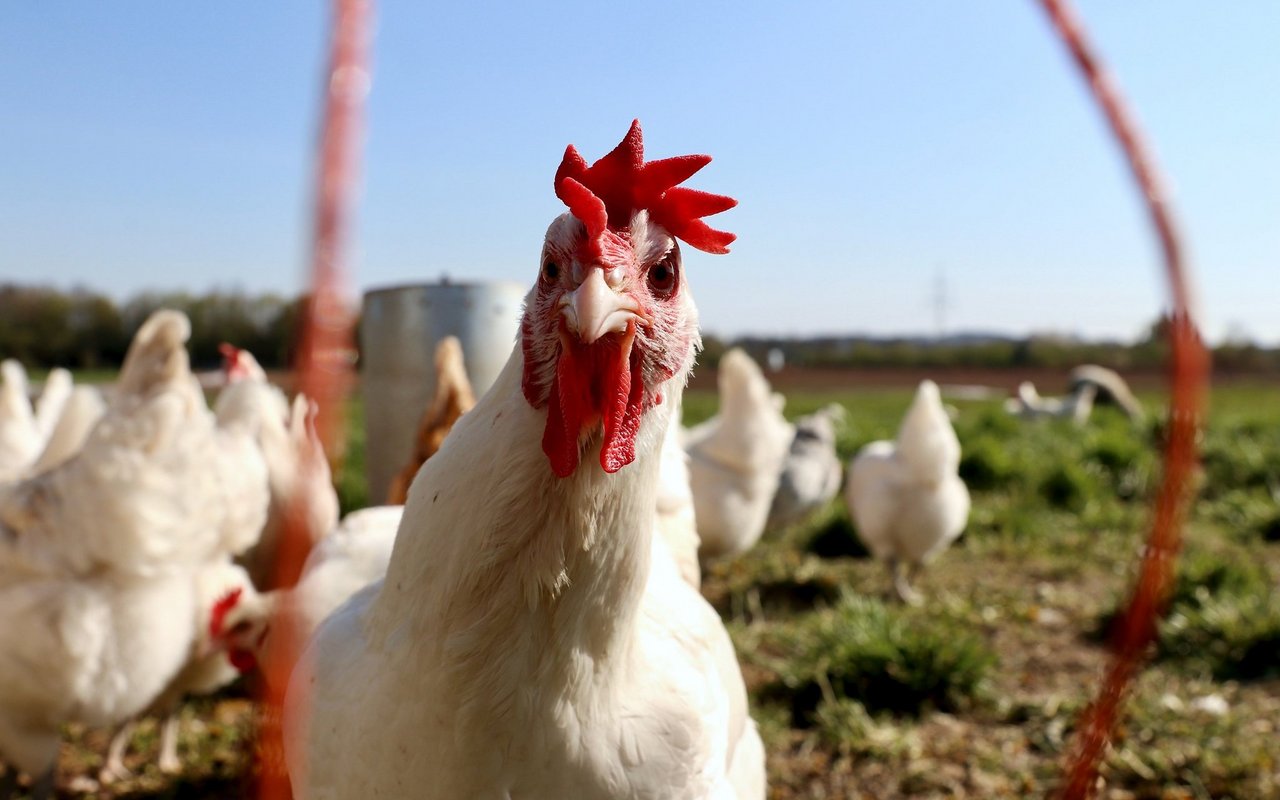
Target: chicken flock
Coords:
[(527, 623)]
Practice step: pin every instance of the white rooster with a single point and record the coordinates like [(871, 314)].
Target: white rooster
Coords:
[(905, 496), (533, 638), (98, 556), (736, 457)]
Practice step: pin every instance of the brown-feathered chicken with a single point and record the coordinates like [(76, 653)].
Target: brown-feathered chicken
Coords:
[(452, 399)]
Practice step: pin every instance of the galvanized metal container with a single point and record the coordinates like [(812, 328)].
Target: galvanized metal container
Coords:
[(399, 329)]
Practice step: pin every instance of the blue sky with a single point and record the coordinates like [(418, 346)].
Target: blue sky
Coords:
[(872, 145)]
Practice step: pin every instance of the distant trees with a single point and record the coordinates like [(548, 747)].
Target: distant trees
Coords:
[(81, 329), (45, 327)]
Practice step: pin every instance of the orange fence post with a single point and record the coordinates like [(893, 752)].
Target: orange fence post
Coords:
[(324, 358), (1189, 366)]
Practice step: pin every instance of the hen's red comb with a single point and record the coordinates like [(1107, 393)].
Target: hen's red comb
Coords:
[(607, 193), (220, 610), (230, 360)]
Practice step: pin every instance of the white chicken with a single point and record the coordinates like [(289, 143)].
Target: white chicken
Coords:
[(736, 457), (300, 481), (98, 556), (80, 413), (905, 496), (20, 439), (210, 666), (533, 638), (1030, 404), (812, 471), (53, 396), (677, 522), (355, 555)]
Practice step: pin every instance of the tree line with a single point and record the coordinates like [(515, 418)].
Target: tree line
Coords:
[(81, 329)]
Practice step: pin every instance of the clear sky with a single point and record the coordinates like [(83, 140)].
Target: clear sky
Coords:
[(874, 146)]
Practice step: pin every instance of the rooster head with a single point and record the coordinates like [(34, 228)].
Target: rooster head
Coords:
[(610, 319), (239, 365), (235, 629)]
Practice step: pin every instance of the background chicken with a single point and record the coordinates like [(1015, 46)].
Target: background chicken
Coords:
[(53, 397), (355, 555), (299, 478), (529, 638), (20, 439), (677, 522), (98, 557), (82, 410), (210, 666), (905, 497), (812, 470), (453, 398), (735, 459)]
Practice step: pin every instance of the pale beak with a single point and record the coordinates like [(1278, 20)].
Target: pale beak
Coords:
[(594, 310)]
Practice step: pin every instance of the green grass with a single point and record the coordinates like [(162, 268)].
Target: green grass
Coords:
[(1224, 618), (884, 657), (993, 671)]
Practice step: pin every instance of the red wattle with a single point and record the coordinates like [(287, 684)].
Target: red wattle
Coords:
[(593, 383), (565, 409), (623, 423)]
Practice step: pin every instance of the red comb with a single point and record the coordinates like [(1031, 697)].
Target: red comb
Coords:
[(609, 191), (220, 610), (230, 357)]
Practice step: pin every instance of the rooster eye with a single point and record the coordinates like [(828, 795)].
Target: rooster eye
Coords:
[(550, 271), (662, 279)]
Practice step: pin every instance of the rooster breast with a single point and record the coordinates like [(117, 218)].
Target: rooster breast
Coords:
[(457, 677)]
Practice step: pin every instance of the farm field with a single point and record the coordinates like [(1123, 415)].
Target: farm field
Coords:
[(975, 694)]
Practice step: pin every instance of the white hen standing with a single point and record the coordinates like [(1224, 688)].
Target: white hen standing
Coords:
[(812, 470), (98, 556), (531, 639), (300, 481), (735, 459), (905, 496)]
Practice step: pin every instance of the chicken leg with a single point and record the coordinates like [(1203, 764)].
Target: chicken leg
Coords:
[(902, 580), (115, 770), (170, 764)]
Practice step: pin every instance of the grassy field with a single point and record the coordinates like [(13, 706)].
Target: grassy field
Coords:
[(975, 695)]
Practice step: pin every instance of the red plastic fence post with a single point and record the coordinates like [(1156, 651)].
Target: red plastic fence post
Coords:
[(325, 342), (1188, 379)]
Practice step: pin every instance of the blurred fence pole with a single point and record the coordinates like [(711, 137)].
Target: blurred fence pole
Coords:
[(1137, 628), (325, 342)]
